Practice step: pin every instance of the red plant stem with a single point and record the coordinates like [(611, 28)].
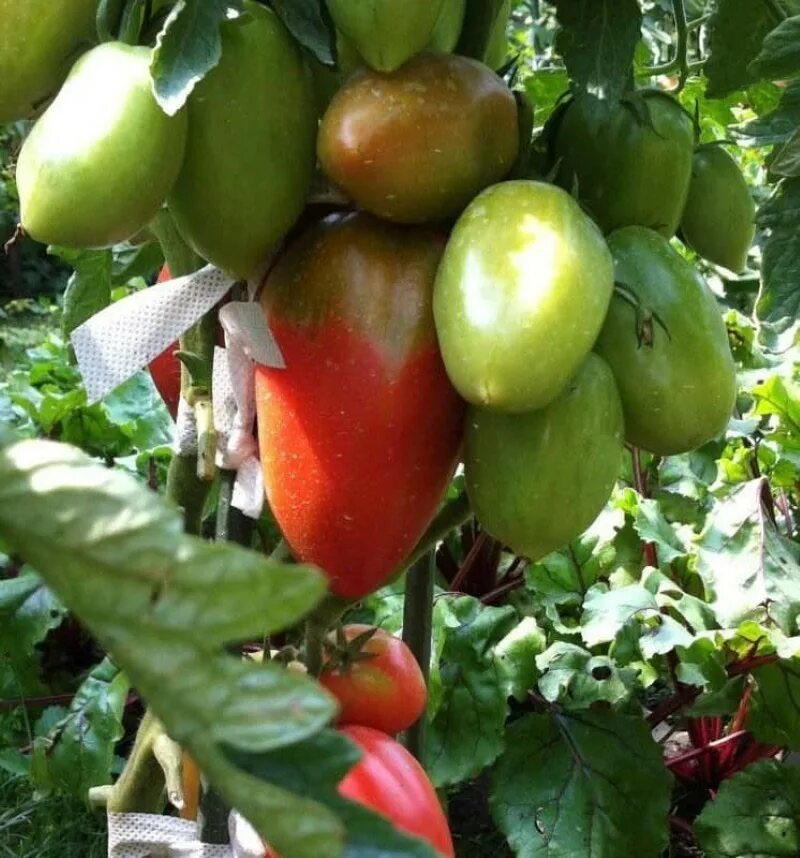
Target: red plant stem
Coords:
[(681, 825), (506, 587), (52, 700), (749, 664), (469, 562), (705, 749)]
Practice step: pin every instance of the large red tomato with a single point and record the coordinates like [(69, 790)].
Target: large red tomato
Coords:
[(380, 685), (359, 434)]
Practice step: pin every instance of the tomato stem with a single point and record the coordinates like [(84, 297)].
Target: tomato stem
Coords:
[(452, 515), (417, 632)]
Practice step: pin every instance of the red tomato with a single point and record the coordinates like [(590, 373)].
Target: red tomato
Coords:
[(388, 780), (385, 690), (165, 369), (359, 434)]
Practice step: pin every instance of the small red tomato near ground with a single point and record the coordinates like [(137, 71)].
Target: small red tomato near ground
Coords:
[(388, 780), (379, 684)]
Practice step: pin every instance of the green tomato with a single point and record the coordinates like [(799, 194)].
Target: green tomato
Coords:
[(250, 152), (99, 163), (39, 41), (520, 295), (630, 167), (538, 480), (448, 27), (719, 218), (386, 32), (497, 46), (666, 342)]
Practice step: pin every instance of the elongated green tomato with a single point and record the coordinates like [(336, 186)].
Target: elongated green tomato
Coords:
[(666, 343), (40, 40), (250, 152), (538, 480), (414, 159), (719, 220), (497, 47), (631, 166), (520, 295), (386, 33), (100, 161), (448, 28)]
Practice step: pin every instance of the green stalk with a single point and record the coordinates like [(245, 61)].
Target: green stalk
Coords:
[(417, 634)]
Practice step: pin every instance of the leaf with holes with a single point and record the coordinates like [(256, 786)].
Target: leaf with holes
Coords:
[(581, 785), (606, 611)]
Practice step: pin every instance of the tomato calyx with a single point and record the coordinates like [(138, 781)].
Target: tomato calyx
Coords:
[(341, 654), (645, 317)]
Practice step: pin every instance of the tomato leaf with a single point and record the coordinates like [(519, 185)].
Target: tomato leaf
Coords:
[(780, 54), (89, 286), (738, 30), (187, 48), (756, 812), (308, 21), (777, 126), (77, 751), (787, 160), (164, 605), (775, 704), (581, 785), (466, 735), (598, 40)]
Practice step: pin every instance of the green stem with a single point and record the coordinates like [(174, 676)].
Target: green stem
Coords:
[(417, 634), (186, 489), (679, 11), (140, 787), (232, 524), (778, 12), (318, 624)]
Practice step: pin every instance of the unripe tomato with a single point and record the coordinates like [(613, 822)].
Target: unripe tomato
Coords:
[(667, 345), (39, 42), (520, 295), (448, 27), (359, 434), (719, 218), (631, 166), (497, 46), (386, 33), (250, 152), (414, 159), (538, 480), (381, 687), (100, 161)]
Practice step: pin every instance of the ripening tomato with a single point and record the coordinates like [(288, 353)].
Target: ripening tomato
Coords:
[(380, 686), (165, 369), (630, 166), (360, 432), (418, 144)]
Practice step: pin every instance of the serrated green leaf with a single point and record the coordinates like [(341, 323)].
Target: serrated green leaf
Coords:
[(187, 48), (574, 678), (598, 40), (467, 733), (605, 611), (775, 704), (776, 126), (756, 814), (581, 785), (780, 53), (78, 751), (738, 30), (164, 605), (787, 160)]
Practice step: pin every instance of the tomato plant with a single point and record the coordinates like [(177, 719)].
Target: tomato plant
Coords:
[(508, 396)]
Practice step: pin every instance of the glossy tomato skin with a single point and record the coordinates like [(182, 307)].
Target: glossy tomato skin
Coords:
[(386, 691), (520, 295), (414, 158), (386, 33), (673, 365), (719, 220), (538, 480), (632, 167), (250, 152), (359, 434), (101, 159), (39, 41), (390, 781)]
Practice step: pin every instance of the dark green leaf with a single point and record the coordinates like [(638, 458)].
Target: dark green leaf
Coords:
[(776, 126), (136, 261), (756, 814), (466, 734), (780, 54), (89, 287), (787, 160), (309, 23), (164, 605), (738, 30), (187, 48), (598, 40), (108, 19), (775, 704), (581, 785), (479, 18)]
